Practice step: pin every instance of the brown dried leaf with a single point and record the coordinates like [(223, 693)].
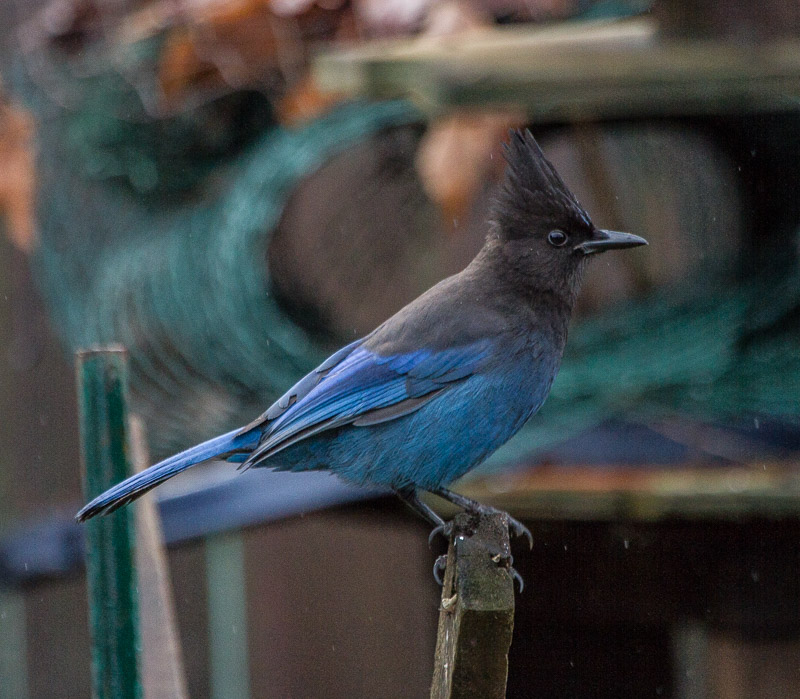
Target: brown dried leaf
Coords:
[(244, 43), (304, 102), (18, 175), (460, 152)]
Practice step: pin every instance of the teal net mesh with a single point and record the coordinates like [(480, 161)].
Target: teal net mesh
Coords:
[(154, 234), (189, 296)]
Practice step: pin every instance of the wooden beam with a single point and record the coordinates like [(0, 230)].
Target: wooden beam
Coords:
[(629, 493), (476, 617), (163, 675), (572, 72)]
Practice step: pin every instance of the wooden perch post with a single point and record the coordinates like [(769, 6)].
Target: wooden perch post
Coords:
[(163, 675), (476, 617), (111, 575)]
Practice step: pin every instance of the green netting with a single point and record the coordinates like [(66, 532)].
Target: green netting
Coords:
[(191, 298), (139, 246), (704, 355), (154, 234)]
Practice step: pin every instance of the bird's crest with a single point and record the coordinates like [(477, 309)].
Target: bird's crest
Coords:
[(532, 186)]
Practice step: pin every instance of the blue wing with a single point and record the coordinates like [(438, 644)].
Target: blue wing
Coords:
[(359, 387)]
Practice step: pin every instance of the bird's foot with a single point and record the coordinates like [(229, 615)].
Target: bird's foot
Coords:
[(445, 529), (514, 525), (506, 561), (411, 497), (439, 567)]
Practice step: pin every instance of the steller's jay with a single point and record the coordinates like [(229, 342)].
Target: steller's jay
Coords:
[(434, 390)]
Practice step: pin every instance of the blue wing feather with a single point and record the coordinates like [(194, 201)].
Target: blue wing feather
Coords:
[(360, 388)]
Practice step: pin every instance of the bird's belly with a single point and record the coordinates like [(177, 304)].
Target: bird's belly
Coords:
[(441, 441)]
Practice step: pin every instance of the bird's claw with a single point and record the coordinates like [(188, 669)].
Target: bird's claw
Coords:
[(506, 560), (445, 529), (520, 529), (516, 576), (438, 567), (514, 525)]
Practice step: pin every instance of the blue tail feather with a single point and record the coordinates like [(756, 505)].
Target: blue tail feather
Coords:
[(138, 484)]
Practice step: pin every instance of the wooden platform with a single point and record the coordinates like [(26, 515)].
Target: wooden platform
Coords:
[(573, 71), (641, 494)]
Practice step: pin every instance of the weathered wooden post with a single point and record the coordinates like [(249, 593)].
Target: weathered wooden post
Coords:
[(476, 617), (162, 670), (111, 575)]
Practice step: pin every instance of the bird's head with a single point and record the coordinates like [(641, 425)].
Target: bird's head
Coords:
[(545, 233)]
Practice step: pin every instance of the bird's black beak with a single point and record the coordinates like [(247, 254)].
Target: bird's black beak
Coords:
[(609, 240)]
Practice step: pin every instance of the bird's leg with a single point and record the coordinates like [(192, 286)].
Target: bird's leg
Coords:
[(410, 497), (470, 505)]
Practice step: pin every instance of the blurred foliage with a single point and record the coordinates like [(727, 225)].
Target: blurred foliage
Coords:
[(155, 228)]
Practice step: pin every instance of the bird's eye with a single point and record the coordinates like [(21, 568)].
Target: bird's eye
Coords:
[(556, 238)]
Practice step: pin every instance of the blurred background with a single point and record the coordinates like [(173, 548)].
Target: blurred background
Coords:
[(234, 188)]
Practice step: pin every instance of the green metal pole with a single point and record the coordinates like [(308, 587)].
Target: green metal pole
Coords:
[(227, 616), (111, 577), (13, 647)]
